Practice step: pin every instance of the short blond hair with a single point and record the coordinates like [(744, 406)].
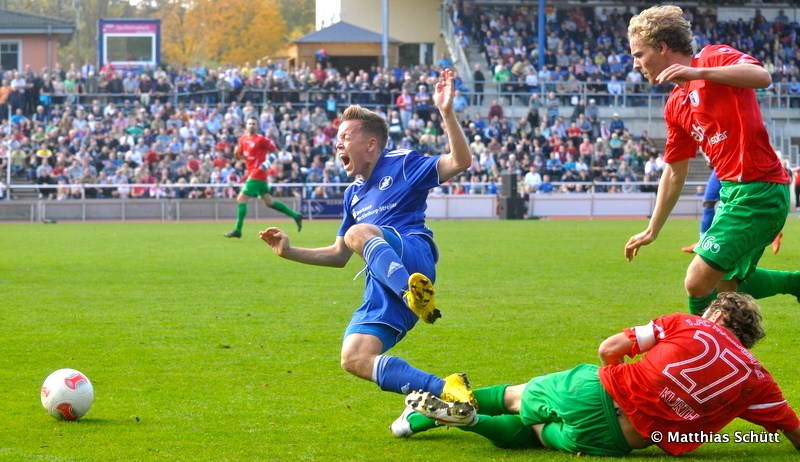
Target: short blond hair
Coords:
[(372, 123), (663, 24)]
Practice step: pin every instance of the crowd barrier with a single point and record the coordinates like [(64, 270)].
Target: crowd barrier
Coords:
[(441, 205)]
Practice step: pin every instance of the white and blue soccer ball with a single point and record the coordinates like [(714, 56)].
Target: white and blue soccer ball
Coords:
[(67, 394)]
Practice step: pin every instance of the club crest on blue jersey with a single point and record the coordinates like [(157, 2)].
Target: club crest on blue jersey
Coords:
[(694, 98), (386, 183)]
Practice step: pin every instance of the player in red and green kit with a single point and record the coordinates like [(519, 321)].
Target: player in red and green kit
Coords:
[(254, 148), (714, 107), (696, 375)]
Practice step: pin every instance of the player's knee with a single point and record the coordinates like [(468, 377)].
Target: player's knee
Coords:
[(359, 234), (347, 364), (355, 363), (696, 287)]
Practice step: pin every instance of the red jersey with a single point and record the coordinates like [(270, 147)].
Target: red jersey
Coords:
[(724, 120), (255, 149), (695, 378)]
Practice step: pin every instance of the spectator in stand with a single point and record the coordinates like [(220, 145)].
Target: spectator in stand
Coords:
[(554, 167), (460, 104), (44, 176), (444, 62), (615, 89), (617, 124), (405, 104), (532, 180), (552, 104), (546, 187), (495, 110)]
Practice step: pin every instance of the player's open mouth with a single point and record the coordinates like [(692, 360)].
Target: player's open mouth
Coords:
[(345, 160)]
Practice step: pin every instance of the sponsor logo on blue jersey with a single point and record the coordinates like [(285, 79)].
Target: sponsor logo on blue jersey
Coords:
[(386, 183)]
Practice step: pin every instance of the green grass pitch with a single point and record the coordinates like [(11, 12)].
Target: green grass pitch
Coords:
[(202, 348)]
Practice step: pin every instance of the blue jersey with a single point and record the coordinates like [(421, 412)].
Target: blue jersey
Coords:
[(394, 195)]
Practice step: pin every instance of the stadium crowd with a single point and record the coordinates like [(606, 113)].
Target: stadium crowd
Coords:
[(166, 126), (589, 46)]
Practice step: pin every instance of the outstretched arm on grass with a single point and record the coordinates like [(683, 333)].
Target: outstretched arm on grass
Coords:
[(335, 255)]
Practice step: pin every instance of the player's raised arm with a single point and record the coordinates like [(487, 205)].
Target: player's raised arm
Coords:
[(744, 75), (336, 255), (460, 157)]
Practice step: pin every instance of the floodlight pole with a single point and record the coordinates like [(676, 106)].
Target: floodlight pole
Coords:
[(76, 6), (385, 33), (541, 35), (8, 175)]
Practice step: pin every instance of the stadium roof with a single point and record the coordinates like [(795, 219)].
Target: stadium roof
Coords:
[(342, 32), (18, 22)]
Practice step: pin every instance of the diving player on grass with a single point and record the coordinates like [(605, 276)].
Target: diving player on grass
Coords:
[(694, 377), (254, 149), (384, 224)]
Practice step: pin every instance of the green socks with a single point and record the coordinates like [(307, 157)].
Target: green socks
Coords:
[(240, 214), (490, 400), (697, 306), (766, 283), (503, 430), (490, 403), (762, 283), (281, 207), (420, 423)]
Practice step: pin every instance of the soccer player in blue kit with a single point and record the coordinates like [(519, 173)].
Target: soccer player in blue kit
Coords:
[(384, 223)]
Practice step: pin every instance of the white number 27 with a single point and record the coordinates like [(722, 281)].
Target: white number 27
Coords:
[(682, 372)]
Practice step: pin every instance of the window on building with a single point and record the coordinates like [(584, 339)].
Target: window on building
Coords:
[(416, 53), (9, 55)]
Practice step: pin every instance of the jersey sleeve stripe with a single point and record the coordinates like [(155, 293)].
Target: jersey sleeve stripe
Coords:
[(767, 405)]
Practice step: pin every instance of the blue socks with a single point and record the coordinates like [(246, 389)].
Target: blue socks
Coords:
[(389, 372), (384, 264), (394, 374), (708, 217)]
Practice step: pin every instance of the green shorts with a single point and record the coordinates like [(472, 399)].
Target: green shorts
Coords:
[(255, 188), (578, 413), (749, 217)]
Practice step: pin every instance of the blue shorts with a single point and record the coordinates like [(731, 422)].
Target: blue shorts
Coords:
[(384, 314), (712, 188)]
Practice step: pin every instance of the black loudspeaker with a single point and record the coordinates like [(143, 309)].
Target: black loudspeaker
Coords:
[(508, 187), (512, 208)]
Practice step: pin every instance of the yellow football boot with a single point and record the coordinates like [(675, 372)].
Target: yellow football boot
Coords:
[(420, 298), (456, 389)]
